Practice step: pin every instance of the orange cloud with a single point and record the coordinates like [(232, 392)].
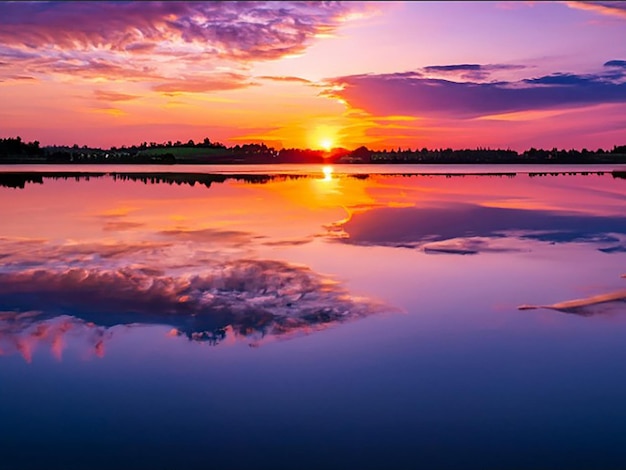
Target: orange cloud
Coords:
[(216, 82), (113, 96), (285, 79), (617, 9)]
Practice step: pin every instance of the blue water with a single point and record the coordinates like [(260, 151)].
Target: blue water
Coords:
[(438, 370)]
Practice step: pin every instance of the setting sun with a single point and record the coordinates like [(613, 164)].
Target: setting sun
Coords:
[(326, 144)]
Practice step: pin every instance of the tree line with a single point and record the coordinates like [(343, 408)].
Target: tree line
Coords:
[(15, 150)]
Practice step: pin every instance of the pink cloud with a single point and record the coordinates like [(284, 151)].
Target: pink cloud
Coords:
[(617, 9), (474, 72), (90, 39), (210, 82), (285, 79)]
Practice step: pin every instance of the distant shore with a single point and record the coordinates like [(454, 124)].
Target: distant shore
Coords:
[(15, 151)]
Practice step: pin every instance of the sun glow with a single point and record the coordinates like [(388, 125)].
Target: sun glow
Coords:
[(324, 136), (326, 144)]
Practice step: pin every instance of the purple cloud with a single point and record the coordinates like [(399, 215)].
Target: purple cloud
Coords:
[(469, 71), (451, 68), (616, 63), (95, 38), (403, 94), (233, 29)]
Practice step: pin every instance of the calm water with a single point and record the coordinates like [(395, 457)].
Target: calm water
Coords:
[(290, 317)]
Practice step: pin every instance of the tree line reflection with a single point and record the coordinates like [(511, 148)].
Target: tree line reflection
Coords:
[(21, 179)]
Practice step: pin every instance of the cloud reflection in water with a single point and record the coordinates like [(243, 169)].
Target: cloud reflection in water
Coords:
[(459, 228), (251, 299)]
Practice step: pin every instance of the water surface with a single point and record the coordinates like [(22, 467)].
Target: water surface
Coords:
[(282, 317)]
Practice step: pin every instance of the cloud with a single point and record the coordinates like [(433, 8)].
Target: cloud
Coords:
[(614, 249), (285, 79), (452, 68), (209, 82), (103, 95), (415, 95), (164, 39), (561, 79), (290, 242), (615, 63), (469, 71), (233, 29), (21, 78), (121, 225), (75, 64), (612, 8)]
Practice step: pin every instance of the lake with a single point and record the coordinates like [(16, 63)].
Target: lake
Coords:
[(363, 316)]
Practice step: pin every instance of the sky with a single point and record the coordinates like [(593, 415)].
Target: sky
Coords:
[(314, 74)]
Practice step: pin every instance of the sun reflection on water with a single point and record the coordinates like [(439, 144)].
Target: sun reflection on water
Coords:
[(328, 172)]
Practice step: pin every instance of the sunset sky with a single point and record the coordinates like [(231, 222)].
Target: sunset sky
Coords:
[(306, 74)]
